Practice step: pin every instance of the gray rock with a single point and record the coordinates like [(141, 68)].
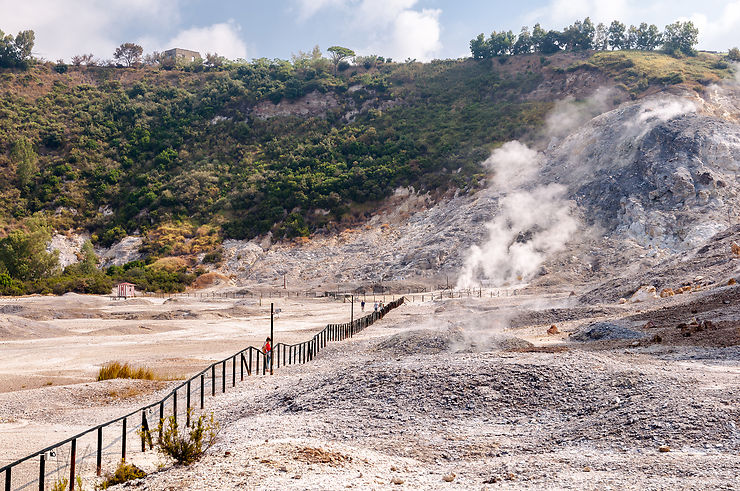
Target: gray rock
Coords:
[(605, 331)]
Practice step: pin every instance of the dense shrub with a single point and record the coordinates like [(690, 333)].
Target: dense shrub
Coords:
[(187, 445), (124, 473)]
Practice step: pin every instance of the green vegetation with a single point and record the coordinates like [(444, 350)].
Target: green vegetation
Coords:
[(638, 70), (190, 154), (124, 473), (186, 446), (116, 369), (678, 38), (16, 52)]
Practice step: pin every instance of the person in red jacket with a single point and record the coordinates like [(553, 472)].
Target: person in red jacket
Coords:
[(267, 351)]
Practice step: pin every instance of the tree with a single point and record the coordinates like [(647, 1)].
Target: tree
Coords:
[(733, 54), (87, 60), (538, 35), (24, 44), (648, 37), (89, 263), (616, 36), (551, 43), (16, 52), (580, 35), (338, 54), (631, 39), (479, 47), (152, 59), (128, 53), (24, 256), (523, 42), (25, 159), (680, 38), (501, 43), (601, 37), (214, 60)]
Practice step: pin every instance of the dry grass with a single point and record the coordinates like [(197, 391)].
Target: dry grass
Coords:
[(638, 69), (321, 456), (116, 369)]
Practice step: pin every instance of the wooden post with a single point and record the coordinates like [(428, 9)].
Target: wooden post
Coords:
[(99, 458), (143, 431), (161, 418), (202, 390), (272, 335), (72, 459), (187, 406), (123, 440)]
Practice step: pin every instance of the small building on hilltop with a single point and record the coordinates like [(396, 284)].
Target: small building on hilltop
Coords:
[(176, 55), (126, 290)]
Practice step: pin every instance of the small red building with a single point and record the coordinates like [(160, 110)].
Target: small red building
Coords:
[(126, 290)]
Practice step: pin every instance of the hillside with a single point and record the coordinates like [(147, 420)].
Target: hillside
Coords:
[(121, 150)]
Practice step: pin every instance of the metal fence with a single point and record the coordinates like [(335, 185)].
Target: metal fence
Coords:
[(130, 437)]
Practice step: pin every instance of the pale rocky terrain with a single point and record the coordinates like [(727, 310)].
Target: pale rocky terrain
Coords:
[(578, 376)]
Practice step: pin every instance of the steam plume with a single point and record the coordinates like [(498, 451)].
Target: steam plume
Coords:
[(533, 222)]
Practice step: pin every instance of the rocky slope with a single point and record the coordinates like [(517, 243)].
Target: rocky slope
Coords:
[(646, 181)]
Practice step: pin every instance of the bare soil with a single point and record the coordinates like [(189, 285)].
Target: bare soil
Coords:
[(468, 393)]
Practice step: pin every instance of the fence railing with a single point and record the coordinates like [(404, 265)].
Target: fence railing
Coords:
[(105, 445)]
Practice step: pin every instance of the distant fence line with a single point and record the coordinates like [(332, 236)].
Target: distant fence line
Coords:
[(413, 296), (249, 360)]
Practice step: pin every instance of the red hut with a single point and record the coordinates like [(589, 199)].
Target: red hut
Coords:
[(126, 290)]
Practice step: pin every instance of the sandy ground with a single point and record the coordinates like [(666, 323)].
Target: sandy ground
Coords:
[(53, 347), (465, 393)]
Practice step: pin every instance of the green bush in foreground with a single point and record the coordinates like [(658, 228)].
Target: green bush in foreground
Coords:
[(124, 472), (188, 445)]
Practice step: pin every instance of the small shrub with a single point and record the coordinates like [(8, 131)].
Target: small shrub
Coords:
[(60, 484), (213, 257), (186, 446), (115, 369), (125, 472), (733, 54)]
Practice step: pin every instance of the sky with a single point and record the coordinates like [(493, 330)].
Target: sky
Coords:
[(400, 29)]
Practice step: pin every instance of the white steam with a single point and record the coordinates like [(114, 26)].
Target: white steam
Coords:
[(533, 222), (570, 114)]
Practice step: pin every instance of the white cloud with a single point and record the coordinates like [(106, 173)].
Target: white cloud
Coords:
[(718, 21), (416, 34), (390, 27), (220, 38), (307, 8), (67, 28)]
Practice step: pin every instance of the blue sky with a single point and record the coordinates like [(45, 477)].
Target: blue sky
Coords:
[(421, 29)]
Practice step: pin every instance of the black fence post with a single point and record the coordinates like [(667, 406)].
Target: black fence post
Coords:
[(223, 376), (202, 390), (213, 380), (161, 419), (72, 459), (233, 368), (249, 366), (42, 471), (99, 458), (174, 404), (143, 431), (187, 406), (123, 440), (8, 479), (241, 365)]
